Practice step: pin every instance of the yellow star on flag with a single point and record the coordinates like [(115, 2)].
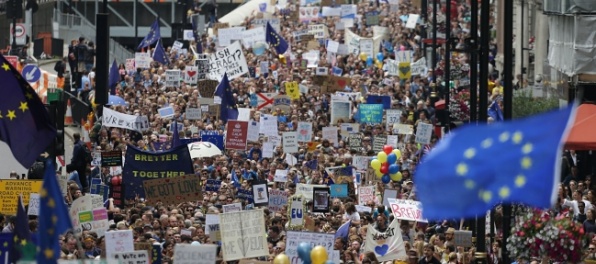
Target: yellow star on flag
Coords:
[(5, 66), (23, 106), (11, 115), (48, 253)]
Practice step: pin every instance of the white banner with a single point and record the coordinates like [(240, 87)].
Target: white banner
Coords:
[(226, 35), (388, 245), (243, 226), (306, 190), (407, 210), (112, 118), (191, 254), (230, 60)]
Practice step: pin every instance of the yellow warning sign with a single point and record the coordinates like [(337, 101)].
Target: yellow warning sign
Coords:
[(10, 191)]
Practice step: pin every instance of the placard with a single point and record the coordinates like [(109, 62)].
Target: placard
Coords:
[(371, 113), (129, 257), (355, 142), (366, 194), (295, 238), (207, 88), (166, 112), (226, 35), (172, 78), (407, 210), (290, 142), (230, 59), (297, 211), (11, 189), (392, 117), (403, 129), (277, 200), (186, 188), (378, 143), (243, 235), (338, 190), (191, 74), (321, 197), (260, 194), (193, 114), (236, 135), (111, 158), (462, 238), (280, 175), (195, 254), (217, 26), (423, 133), (388, 194), (119, 241), (143, 60), (33, 204), (230, 208)]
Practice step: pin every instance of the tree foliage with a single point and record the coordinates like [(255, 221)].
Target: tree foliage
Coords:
[(525, 105)]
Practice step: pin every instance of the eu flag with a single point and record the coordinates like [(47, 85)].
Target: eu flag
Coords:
[(159, 54), (114, 77), (5, 246), (480, 166), (24, 121), (494, 111), (21, 234), (176, 136), (54, 219), (152, 37), (228, 109), (275, 40)]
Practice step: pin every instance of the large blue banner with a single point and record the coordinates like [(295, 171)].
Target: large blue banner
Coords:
[(142, 165)]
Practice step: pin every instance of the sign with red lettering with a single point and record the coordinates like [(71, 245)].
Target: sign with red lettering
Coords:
[(13, 60), (407, 210), (236, 135)]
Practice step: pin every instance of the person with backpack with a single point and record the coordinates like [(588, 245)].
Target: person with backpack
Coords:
[(60, 68), (81, 158)]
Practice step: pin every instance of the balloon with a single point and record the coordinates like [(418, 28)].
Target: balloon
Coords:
[(363, 56), (379, 65), (329, 262), (385, 179), (282, 58), (281, 259), (393, 168), (396, 176), (387, 149), (391, 158), (318, 255), (379, 174), (375, 164), (382, 156), (304, 251), (380, 56), (397, 153), (369, 62), (384, 169)]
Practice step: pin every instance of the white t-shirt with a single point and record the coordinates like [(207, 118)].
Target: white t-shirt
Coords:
[(354, 217)]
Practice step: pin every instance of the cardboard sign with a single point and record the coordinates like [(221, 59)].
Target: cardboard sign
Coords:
[(207, 88), (174, 190), (236, 135), (119, 241), (462, 238), (238, 227), (407, 210), (277, 200), (111, 158), (191, 254), (217, 26), (332, 84), (294, 238), (11, 189), (193, 114)]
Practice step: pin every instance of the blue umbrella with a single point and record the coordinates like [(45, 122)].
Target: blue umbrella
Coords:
[(116, 100)]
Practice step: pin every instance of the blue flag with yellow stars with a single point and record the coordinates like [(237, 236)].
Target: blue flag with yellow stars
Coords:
[(54, 219), (476, 167), (24, 121), (152, 37), (5, 247), (228, 109), (275, 40), (159, 54), (21, 235)]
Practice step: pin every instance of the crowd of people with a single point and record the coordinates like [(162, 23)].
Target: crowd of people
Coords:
[(145, 92)]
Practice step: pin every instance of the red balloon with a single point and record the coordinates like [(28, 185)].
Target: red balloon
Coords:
[(116, 181), (387, 149), (384, 169)]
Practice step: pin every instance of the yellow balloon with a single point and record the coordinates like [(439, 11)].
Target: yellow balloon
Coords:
[(382, 157), (379, 174), (281, 259), (282, 58), (379, 65), (363, 56), (375, 164), (397, 153), (396, 176), (318, 255)]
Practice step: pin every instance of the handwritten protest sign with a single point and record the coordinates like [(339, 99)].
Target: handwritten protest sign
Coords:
[(243, 235), (119, 241), (195, 254), (277, 200), (407, 210), (423, 133), (294, 238), (371, 113), (33, 204), (230, 59), (174, 190), (129, 257), (366, 194)]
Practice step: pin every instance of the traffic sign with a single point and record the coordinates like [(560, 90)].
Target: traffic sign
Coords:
[(20, 30), (31, 73)]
